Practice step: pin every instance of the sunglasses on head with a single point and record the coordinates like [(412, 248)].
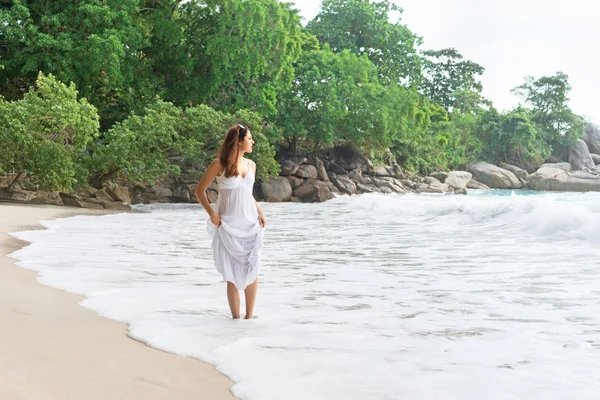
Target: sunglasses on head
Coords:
[(242, 129)]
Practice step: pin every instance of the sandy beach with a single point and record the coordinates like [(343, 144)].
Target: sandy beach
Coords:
[(53, 349)]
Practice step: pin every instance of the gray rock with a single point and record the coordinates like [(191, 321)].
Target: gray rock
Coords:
[(579, 156), (313, 190), (458, 180), (295, 182), (307, 171), (565, 166), (321, 171), (494, 176), (102, 195), (356, 176), (350, 158), (121, 194), (555, 179), (71, 200), (596, 158), (16, 194), (432, 186), (519, 172), (336, 169), (180, 195), (473, 184), (343, 183), (275, 190), (461, 191), (289, 168), (43, 197), (440, 176), (592, 137), (398, 173), (380, 171)]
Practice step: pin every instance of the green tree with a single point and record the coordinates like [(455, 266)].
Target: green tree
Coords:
[(243, 53), (451, 81), (95, 44), (332, 100), (364, 27), (513, 137), (45, 134), (548, 99)]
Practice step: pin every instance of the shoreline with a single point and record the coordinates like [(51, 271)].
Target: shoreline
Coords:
[(55, 349)]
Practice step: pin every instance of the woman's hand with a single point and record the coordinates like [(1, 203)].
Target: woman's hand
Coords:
[(262, 220), (215, 219)]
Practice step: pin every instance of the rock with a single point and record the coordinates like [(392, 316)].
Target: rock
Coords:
[(313, 190), (289, 168), (461, 191), (16, 194), (356, 176), (493, 176), (307, 171), (295, 182), (473, 184), (27, 185), (592, 137), (565, 166), (121, 194), (336, 169), (295, 199), (43, 197), (380, 171), (398, 173), (104, 204), (321, 171), (458, 180), (162, 192), (343, 183), (595, 158), (367, 189), (180, 195), (579, 156), (432, 185), (212, 196), (440, 176), (192, 189), (102, 195), (71, 200), (555, 179), (390, 183), (275, 190), (350, 158), (519, 172)]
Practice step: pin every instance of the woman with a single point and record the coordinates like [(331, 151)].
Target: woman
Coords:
[(236, 224)]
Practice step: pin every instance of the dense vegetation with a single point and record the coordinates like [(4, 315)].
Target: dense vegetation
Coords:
[(91, 90)]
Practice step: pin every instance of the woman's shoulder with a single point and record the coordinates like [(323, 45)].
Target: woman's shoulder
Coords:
[(217, 166), (251, 163)]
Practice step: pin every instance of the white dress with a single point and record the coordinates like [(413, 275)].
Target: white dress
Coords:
[(238, 241)]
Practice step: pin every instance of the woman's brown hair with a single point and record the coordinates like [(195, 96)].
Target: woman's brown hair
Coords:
[(229, 151)]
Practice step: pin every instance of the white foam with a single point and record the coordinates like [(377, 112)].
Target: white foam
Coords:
[(368, 297)]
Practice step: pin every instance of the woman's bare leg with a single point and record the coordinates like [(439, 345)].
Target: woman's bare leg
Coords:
[(250, 292), (233, 297)]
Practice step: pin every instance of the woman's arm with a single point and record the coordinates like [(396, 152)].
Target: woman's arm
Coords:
[(211, 173), (261, 216)]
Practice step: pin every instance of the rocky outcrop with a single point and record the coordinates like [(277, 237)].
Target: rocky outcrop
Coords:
[(591, 137), (458, 180), (276, 189), (565, 166), (579, 156), (595, 158), (494, 176), (555, 179), (313, 190)]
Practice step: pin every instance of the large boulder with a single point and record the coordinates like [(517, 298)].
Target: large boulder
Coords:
[(307, 171), (579, 156), (565, 166), (295, 181), (276, 189), (591, 137), (350, 158), (288, 167), (458, 180), (473, 184), (494, 176), (519, 172), (596, 158), (432, 185), (555, 179), (321, 171), (120, 193), (343, 183), (313, 190)]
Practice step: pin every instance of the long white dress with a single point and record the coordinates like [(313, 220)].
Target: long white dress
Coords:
[(237, 243)]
